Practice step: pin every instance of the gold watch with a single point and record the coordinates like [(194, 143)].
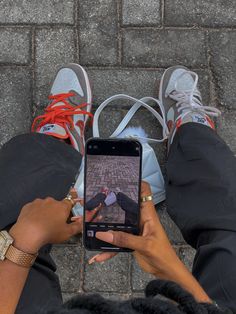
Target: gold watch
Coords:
[(8, 251)]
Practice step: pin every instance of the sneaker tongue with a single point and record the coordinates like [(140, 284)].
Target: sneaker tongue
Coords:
[(54, 130)]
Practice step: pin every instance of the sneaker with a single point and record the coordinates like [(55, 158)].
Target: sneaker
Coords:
[(69, 108), (110, 199), (105, 190), (181, 98)]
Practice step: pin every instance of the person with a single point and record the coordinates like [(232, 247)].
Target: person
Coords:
[(36, 173)]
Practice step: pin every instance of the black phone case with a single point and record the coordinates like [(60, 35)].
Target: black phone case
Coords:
[(97, 141)]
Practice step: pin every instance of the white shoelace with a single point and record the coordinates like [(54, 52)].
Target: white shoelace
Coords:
[(190, 100)]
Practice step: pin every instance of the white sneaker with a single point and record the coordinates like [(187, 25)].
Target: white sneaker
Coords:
[(182, 100), (69, 109)]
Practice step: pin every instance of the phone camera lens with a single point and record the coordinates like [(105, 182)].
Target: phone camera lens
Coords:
[(90, 146), (95, 146), (113, 147)]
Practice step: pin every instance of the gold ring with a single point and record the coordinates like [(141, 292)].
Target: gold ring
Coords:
[(146, 198), (70, 199)]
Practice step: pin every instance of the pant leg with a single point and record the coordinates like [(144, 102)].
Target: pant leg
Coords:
[(35, 166), (95, 201), (201, 199), (129, 206)]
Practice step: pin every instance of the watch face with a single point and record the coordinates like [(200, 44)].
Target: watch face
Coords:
[(5, 242)]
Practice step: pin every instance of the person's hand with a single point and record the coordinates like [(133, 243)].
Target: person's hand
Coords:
[(152, 248), (91, 215), (42, 222)]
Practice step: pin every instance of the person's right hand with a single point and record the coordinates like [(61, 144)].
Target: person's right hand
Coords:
[(153, 250)]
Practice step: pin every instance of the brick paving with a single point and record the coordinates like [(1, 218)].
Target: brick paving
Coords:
[(125, 45), (119, 172)]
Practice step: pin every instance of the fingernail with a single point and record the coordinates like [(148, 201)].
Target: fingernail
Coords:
[(105, 236), (76, 218), (77, 199), (93, 259)]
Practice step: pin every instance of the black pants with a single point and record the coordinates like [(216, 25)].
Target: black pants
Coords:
[(126, 203), (201, 199), (130, 207), (201, 196), (35, 166)]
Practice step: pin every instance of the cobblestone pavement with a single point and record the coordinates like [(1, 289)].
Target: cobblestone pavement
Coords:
[(125, 46)]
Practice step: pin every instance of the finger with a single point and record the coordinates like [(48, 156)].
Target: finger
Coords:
[(145, 188), (102, 257), (97, 218), (78, 200), (73, 193), (81, 201), (148, 211), (69, 204), (75, 227), (76, 218), (122, 239), (91, 215)]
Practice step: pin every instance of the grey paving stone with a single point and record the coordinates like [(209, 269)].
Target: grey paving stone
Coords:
[(204, 85), (115, 296), (77, 239), (139, 12), (139, 278), (142, 295), (227, 127), (223, 60), (15, 45), (203, 13), (134, 82), (112, 276), (98, 32), (170, 227), (187, 254), (67, 296), (15, 102), (69, 262), (163, 48), (53, 49), (37, 12)]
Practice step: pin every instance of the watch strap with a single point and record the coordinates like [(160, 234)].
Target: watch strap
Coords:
[(19, 257)]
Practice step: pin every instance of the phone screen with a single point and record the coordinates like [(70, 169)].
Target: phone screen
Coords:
[(112, 189)]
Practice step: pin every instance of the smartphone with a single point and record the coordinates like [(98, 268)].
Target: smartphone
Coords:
[(112, 184)]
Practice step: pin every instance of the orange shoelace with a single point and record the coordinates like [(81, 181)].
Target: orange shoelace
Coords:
[(61, 114)]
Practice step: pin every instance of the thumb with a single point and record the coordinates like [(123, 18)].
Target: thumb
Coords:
[(75, 227), (122, 239)]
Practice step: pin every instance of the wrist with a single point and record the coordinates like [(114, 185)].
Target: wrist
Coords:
[(188, 282), (28, 243)]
